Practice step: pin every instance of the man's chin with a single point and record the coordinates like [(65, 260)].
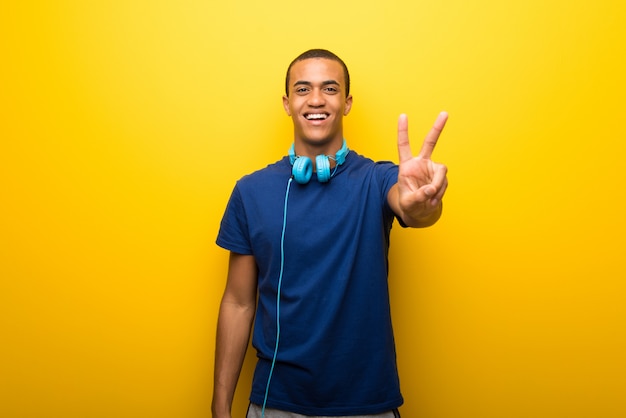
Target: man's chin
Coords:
[(318, 137), (316, 141)]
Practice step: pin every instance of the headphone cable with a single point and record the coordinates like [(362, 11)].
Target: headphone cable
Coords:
[(280, 281)]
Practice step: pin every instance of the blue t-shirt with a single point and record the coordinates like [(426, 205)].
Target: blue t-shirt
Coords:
[(336, 352)]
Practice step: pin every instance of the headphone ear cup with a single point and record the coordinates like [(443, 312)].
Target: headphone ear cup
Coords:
[(322, 166), (302, 169)]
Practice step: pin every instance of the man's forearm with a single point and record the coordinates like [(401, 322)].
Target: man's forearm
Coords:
[(233, 334)]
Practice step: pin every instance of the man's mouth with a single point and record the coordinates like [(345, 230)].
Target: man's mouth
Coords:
[(316, 116)]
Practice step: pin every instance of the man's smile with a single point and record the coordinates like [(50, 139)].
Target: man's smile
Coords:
[(315, 116)]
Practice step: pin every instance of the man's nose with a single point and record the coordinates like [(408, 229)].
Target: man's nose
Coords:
[(316, 98)]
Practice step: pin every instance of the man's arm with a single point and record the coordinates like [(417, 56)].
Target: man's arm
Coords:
[(426, 217), (233, 330), (416, 197)]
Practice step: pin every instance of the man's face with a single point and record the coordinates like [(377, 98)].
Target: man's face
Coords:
[(317, 101)]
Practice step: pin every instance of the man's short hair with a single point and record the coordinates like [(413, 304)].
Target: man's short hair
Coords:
[(319, 53)]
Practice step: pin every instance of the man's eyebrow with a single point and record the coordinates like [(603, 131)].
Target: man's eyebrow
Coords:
[(308, 83)]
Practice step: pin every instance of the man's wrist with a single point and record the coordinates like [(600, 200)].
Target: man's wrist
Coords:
[(220, 407), (424, 220)]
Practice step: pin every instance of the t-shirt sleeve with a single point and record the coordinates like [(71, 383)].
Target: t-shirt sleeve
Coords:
[(234, 233), (388, 176), (387, 173)]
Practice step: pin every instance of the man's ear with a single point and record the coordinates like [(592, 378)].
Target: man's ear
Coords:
[(286, 105), (346, 110)]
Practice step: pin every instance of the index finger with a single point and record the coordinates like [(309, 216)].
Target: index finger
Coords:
[(431, 139), (404, 148)]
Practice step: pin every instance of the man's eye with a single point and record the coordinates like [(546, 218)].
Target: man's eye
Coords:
[(332, 89), (302, 90)]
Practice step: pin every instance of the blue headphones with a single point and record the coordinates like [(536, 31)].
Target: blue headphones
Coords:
[(302, 169)]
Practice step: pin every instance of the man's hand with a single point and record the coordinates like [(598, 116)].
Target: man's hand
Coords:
[(421, 182)]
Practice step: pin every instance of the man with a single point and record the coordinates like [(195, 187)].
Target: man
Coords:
[(308, 260)]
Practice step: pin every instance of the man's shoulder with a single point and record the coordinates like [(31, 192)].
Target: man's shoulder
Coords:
[(270, 172), (367, 159), (360, 161)]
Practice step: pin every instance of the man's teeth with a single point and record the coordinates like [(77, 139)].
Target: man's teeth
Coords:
[(315, 116)]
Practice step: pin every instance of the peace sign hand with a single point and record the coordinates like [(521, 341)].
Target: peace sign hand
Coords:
[(421, 182)]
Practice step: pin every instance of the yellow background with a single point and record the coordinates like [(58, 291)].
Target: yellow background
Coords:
[(125, 124)]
